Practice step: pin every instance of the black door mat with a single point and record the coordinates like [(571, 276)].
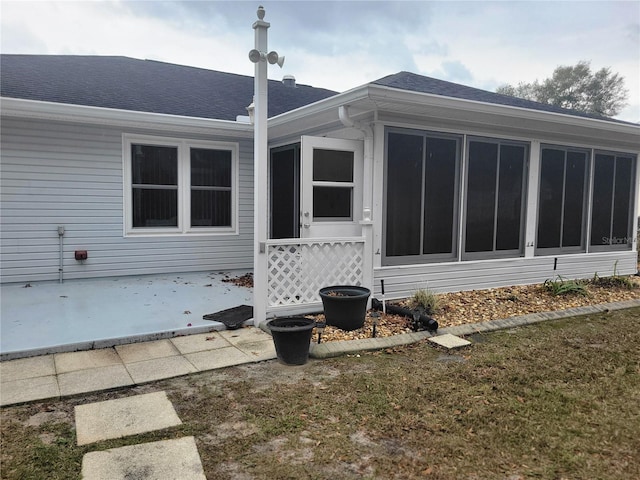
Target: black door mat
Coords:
[(232, 318)]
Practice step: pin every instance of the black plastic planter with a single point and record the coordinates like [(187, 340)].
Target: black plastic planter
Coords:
[(345, 306), (292, 338)]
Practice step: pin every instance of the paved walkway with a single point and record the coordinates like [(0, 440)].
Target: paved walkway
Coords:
[(63, 374)]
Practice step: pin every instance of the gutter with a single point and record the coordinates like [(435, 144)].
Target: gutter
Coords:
[(35, 109)]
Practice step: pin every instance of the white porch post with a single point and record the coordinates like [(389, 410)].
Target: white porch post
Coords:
[(261, 58), (260, 175)]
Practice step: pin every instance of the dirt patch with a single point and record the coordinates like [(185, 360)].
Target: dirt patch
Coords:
[(245, 280)]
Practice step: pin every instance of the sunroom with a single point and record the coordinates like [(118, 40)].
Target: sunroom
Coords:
[(394, 183)]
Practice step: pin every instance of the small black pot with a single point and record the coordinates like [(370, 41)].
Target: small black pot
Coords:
[(345, 306), (292, 338)]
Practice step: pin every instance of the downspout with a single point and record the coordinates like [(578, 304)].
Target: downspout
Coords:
[(367, 191), (367, 130), (61, 256)]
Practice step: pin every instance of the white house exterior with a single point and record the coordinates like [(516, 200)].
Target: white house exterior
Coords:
[(410, 180)]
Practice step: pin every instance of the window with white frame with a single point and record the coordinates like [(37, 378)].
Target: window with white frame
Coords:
[(179, 186), (421, 196), (612, 201), (495, 193), (562, 200)]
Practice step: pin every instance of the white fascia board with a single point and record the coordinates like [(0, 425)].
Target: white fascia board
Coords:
[(14, 107), (331, 104), (379, 93), (372, 97)]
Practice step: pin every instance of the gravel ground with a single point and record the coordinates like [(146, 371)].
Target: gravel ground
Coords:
[(481, 305)]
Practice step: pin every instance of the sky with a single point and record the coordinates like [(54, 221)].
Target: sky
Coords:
[(345, 44)]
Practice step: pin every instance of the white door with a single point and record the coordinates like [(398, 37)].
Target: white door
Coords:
[(331, 187)]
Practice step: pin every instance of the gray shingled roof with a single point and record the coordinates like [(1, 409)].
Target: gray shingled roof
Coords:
[(151, 86), (419, 83), (142, 85)]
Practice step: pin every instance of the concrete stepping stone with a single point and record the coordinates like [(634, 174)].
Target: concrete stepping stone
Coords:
[(167, 459), (124, 416), (449, 341)]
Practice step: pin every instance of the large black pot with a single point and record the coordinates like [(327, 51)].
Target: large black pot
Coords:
[(345, 306), (292, 338)]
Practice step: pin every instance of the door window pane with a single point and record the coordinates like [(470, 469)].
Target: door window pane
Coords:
[(332, 165), (332, 203)]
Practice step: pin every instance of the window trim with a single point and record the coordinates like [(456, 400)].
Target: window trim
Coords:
[(183, 147), (495, 254), (586, 205)]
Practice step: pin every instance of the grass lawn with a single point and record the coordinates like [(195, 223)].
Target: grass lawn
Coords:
[(557, 400)]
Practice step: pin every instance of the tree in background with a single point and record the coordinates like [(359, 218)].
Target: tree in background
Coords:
[(576, 87)]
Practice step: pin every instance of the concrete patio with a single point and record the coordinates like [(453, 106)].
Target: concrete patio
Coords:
[(48, 317)]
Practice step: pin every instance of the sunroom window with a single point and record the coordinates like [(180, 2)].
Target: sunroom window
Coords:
[(611, 209), (494, 213), (422, 171), (179, 186), (562, 200)]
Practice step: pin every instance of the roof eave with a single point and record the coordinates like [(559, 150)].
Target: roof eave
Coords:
[(380, 93), (35, 109), (381, 98)]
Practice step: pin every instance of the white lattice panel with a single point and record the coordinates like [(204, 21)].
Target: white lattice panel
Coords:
[(298, 271)]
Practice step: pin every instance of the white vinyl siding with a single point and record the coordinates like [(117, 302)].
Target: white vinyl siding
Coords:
[(403, 281), (55, 174)]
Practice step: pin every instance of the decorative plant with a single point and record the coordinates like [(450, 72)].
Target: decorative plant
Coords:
[(426, 300), (564, 287)]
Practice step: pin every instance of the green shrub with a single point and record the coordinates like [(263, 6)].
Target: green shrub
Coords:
[(564, 287), (427, 300)]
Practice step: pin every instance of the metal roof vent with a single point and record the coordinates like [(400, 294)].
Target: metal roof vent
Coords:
[(289, 81)]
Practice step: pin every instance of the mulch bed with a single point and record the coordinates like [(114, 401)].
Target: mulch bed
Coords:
[(476, 306)]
